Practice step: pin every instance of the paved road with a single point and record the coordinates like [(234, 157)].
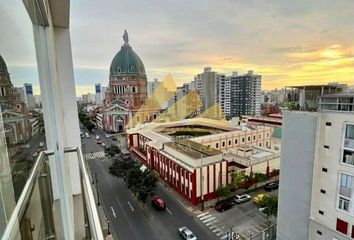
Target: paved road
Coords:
[(34, 145), (245, 219), (128, 219)]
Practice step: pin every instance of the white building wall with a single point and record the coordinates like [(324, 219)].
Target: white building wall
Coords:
[(296, 170)]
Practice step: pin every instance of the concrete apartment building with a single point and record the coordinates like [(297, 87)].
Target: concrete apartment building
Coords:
[(206, 86), (224, 93), (316, 197), (245, 94)]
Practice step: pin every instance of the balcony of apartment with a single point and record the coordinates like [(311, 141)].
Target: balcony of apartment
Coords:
[(37, 215), (45, 189)]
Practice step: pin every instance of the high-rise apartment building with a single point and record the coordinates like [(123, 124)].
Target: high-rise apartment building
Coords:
[(151, 87), (206, 84), (98, 91), (224, 93), (316, 196), (245, 94)]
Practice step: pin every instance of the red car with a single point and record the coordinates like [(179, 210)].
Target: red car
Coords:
[(158, 203), (99, 142)]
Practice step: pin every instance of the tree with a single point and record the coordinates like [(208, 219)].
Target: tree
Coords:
[(259, 177), (223, 192), (120, 167), (269, 206), (148, 185), (142, 183), (237, 178), (113, 150)]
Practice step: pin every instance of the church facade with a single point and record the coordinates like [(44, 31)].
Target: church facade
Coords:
[(125, 104), (15, 115)]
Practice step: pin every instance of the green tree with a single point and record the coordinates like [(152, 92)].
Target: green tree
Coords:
[(223, 192), (237, 178), (113, 150), (269, 206), (148, 185), (120, 167), (259, 177)]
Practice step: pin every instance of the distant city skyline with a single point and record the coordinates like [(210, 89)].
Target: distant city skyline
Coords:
[(288, 43)]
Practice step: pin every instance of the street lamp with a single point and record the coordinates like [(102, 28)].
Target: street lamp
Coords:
[(268, 220)]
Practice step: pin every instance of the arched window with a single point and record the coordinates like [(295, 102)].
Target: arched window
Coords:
[(119, 70)]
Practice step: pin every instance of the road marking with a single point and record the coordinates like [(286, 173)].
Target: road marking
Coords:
[(131, 207), (168, 210), (205, 217), (202, 214), (113, 212), (208, 220)]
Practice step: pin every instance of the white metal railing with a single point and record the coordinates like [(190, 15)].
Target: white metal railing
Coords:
[(33, 215)]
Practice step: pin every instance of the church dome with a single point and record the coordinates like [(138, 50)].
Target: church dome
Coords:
[(3, 67), (126, 61)]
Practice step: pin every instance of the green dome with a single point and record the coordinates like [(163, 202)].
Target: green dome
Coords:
[(3, 67), (126, 62)]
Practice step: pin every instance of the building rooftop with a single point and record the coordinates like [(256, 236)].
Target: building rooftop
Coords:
[(193, 149)]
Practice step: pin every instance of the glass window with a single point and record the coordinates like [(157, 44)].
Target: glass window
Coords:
[(217, 145), (349, 132), (344, 204), (346, 180)]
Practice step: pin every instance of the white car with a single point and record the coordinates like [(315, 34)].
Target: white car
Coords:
[(107, 136), (186, 234), (103, 144), (27, 145), (97, 137), (242, 198), (41, 144)]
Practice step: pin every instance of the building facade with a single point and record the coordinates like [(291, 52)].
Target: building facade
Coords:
[(245, 94), (319, 147), (224, 93), (207, 88), (125, 102), (192, 165), (15, 114)]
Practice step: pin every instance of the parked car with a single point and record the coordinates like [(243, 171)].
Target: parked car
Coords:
[(224, 205), (158, 203), (186, 234), (107, 136), (242, 198), (97, 137), (99, 142), (34, 154), (271, 186), (256, 199), (103, 144), (41, 144), (27, 146), (114, 138)]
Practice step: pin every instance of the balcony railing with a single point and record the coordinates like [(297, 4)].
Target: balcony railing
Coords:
[(37, 214)]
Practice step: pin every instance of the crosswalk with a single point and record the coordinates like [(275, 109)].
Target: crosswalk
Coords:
[(221, 231), (212, 223), (95, 155)]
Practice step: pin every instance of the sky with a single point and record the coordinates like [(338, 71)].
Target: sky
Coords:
[(288, 42)]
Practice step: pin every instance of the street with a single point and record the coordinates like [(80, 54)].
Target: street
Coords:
[(128, 218)]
